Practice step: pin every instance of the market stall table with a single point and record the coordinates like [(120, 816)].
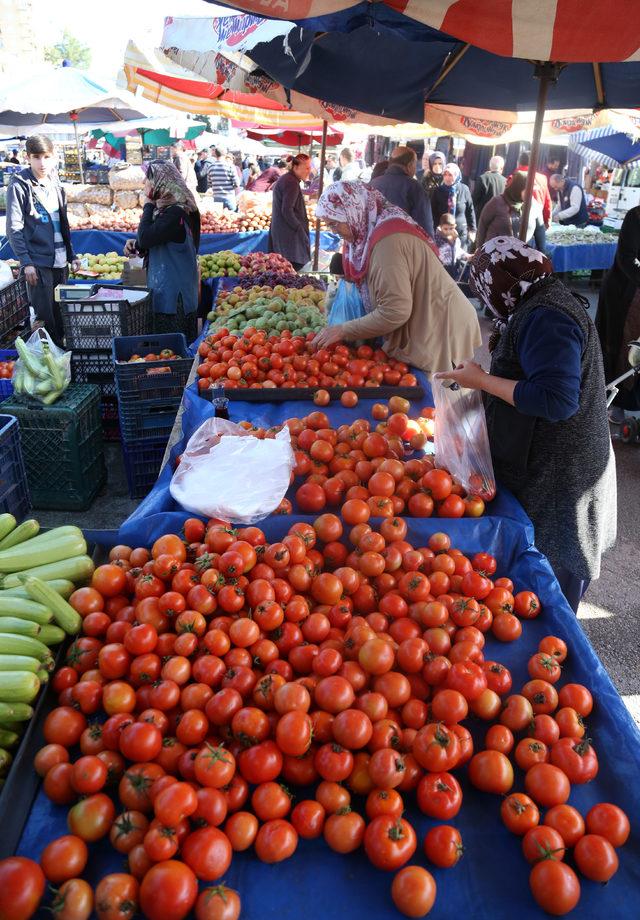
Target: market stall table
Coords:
[(98, 241), (581, 256), (491, 880)]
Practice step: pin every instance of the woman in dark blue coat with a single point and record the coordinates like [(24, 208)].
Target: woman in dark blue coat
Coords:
[(289, 233)]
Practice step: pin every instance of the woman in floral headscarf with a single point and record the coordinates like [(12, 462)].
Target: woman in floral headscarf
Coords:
[(454, 197), (546, 408), (409, 299), (168, 238)]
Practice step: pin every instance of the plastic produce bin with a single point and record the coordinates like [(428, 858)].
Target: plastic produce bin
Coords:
[(14, 492)]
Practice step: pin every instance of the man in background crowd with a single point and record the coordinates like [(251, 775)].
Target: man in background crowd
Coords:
[(14, 157), (183, 164), (488, 185), (572, 204), (222, 179), (268, 177), (348, 169), (540, 188), (399, 186), (200, 168)]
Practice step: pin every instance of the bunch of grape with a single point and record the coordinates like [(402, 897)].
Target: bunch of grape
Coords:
[(271, 279)]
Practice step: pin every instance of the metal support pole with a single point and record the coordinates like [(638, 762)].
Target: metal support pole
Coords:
[(323, 155), (80, 166), (547, 73)]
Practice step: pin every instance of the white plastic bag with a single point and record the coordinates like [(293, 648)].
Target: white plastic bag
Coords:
[(226, 472), (461, 440), (43, 370)]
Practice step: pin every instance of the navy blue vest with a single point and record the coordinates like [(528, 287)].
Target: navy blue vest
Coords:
[(582, 217)]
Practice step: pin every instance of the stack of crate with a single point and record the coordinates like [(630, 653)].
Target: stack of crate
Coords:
[(14, 310), (149, 393), (62, 447), (90, 326), (14, 492)]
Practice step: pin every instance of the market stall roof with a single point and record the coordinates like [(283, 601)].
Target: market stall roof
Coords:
[(608, 146), (290, 138), (61, 95), (556, 30), (236, 51)]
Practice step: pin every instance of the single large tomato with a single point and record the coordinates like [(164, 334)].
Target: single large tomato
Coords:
[(219, 903), (168, 891), (22, 885), (208, 852), (116, 897), (389, 842), (413, 891), (555, 886)]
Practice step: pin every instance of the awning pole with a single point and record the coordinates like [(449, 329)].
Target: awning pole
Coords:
[(547, 73), (323, 154), (75, 128)]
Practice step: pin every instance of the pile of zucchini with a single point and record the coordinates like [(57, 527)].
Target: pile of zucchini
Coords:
[(38, 573)]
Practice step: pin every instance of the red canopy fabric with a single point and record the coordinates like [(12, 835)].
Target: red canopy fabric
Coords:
[(546, 30)]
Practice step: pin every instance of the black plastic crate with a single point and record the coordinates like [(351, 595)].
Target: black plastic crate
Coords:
[(14, 492), (148, 418), (93, 324), (94, 367), (110, 418), (62, 448), (6, 384), (14, 307), (142, 463), (162, 379)]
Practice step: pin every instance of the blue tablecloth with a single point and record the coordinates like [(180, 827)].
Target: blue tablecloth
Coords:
[(491, 880), (582, 257), (159, 513), (97, 241)]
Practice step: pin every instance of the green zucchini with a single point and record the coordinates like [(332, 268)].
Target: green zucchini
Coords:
[(25, 531), (7, 524), (15, 644), (63, 613), (43, 677), (32, 553), (26, 609), (49, 536), (20, 627), (15, 712), (50, 634), (77, 568), (5, 760), (18, 686), (63, 586), (8, 738), (19, 663)]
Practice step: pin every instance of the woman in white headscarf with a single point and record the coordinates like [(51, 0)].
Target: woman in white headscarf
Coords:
[(454, 197), (410, 301)]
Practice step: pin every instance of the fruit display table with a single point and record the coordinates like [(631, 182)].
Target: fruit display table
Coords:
[(492, 872), (99, 241)]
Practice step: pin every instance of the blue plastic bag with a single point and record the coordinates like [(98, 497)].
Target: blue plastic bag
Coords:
[(347, 304)]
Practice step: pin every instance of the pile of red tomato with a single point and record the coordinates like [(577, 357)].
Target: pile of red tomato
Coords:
[(6, 369), (362, 468), (227, 666), (256, 360)]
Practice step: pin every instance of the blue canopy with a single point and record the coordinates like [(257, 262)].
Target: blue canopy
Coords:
[(377, 60), (615, 147)]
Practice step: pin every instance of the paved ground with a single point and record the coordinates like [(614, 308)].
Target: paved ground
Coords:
[(610, 612)]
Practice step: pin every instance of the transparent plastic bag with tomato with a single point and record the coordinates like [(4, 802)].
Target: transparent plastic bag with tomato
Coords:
[(461, 439), (225, 472)]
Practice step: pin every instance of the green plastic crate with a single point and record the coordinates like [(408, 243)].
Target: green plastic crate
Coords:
[(62, 447)]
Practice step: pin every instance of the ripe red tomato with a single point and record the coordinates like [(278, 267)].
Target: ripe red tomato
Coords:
[(168, 891), (443, 846), (276, 840), (389, 842), (208, 852), (554, 886), (491, 771), (413, 891), (439, 795), (610, 822), (22, 885)]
